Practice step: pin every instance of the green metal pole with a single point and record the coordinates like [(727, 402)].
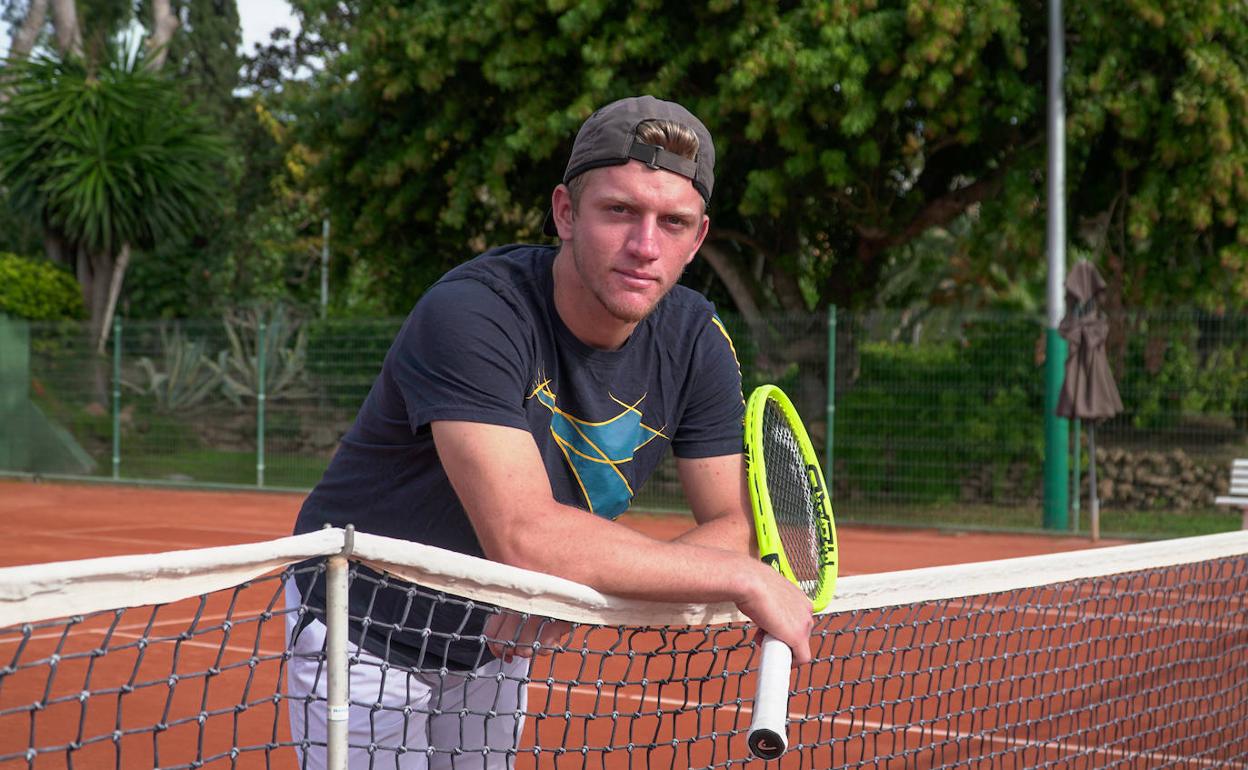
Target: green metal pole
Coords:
[(260, 360), (827, 450), (117, 397), (1056, 429), (1056, 435)]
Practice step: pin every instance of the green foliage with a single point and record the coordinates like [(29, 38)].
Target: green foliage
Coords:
[(923, 419), (190, 373), (183, 378), (282, 363), (105, 155), (345, 355), (845, 131), (1186, 365), (1157, 98), (203, 54), (37, 290)]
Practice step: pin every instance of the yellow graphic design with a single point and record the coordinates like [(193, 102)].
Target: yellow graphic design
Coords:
[(596, 452)]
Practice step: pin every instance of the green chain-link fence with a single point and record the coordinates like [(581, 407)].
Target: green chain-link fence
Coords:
[(937, 416)]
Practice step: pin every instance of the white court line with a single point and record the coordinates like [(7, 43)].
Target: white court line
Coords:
[(126, 631), (275, 532), (165, 544), (1064, 748)]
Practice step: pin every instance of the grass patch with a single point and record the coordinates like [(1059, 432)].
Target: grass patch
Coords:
[(1157, 524), (223, 467)]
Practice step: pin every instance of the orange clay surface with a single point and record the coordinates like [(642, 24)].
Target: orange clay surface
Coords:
[(43, 522)]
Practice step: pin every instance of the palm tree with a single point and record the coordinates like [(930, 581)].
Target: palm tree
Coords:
[(107, 159)]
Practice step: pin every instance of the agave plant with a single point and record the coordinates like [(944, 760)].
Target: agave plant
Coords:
[(183, 378), (284, 360)]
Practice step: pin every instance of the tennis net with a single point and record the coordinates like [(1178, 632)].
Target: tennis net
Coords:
[(1131, 656)]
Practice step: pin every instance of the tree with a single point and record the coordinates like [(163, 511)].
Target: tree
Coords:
[(1158, 134), (203, 56), (846, 130), (445, 124), (198, 41), (108, 160)]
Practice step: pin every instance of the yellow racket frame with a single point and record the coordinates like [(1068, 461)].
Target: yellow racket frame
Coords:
[(770, 549)]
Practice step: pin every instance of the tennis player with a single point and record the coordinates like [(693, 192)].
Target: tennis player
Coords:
[(528, 396)]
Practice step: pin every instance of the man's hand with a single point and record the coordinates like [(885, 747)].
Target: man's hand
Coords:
[(509, 634), (782, 610)]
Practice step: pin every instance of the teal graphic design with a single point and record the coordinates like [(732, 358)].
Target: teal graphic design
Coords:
[(597, 451)]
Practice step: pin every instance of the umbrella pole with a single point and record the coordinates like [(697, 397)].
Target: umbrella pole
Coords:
[(1078, 494), (1094, 506)]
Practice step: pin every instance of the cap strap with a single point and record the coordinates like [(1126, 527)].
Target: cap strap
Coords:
[(657, 157)]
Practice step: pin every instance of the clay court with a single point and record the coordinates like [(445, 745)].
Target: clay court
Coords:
[(44, 522), (205, 715)]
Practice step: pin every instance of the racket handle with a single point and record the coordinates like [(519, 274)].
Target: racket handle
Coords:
[(768, 737)]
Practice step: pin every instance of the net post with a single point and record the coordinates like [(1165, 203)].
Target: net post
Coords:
[(337, 674), (117, 396)]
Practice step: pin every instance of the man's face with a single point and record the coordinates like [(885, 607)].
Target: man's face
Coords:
[(630, 238)]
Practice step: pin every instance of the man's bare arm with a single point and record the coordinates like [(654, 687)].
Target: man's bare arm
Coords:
[(498, 475), (715, 489)]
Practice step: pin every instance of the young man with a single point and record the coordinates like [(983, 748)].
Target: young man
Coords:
[(530, 393)]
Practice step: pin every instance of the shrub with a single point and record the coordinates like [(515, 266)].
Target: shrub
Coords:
[(38, 290), (922, 420), (345, 356)]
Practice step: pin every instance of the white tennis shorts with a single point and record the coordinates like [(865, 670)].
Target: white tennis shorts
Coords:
[(402, 718)]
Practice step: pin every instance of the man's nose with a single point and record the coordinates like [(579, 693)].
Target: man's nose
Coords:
[(645, 238)]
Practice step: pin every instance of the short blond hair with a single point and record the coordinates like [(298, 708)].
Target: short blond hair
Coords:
[(673, 137)]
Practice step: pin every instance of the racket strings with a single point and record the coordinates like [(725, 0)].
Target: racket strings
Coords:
[(792, 503)]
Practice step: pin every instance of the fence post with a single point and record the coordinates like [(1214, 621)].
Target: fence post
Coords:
[(337, 676), (831, 409), (260, 364), (117, 397)]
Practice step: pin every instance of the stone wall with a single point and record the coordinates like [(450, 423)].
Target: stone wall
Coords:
[(1126, 479), (1151, 479)]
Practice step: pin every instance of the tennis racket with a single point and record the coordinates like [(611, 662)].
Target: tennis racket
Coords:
[(796, 536)]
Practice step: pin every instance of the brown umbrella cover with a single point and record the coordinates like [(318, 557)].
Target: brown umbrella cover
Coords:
[(1088, 392)]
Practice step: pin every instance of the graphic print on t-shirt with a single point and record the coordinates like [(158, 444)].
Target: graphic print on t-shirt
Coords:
[(596, 451)]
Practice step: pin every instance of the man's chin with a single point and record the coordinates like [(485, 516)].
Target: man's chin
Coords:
[(631, 313)]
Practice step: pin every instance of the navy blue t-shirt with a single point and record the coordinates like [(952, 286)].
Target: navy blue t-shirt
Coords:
[(485, 344)]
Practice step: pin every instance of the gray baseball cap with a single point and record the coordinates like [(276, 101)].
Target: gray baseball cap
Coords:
[(608, 138)]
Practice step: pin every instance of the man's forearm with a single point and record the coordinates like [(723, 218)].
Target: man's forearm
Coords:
[(725, 532)]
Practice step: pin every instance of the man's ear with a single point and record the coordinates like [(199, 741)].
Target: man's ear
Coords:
[(706, 228), (561, 211)]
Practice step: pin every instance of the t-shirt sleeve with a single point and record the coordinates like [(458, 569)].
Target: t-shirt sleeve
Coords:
[(714, 415), (462, 356)]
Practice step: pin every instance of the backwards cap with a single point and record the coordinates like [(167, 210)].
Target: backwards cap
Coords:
[(609, 138)]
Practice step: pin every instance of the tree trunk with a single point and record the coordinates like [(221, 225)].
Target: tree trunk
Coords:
[(735, 281), (114, 291), (65, 21), (55, 248), (99, 270), (164, 24), (26, 35), (94, 271)]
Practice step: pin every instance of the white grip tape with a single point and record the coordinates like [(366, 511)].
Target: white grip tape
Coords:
[(769, 727)]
